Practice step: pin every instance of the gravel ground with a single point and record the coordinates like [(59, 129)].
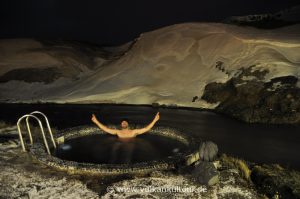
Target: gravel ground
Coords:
[(23, 177)]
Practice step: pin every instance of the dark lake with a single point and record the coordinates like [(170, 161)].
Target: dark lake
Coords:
[(253, 142)]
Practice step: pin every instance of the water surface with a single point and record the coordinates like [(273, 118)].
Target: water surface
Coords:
[(108, 149), (258, 143)]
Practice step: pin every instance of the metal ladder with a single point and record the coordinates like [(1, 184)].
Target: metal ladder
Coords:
[(31, 115)]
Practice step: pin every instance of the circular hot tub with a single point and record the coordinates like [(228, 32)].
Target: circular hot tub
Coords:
[(87, 149)]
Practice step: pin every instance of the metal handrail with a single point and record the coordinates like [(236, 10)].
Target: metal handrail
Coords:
[(29, 131), (47, 122)]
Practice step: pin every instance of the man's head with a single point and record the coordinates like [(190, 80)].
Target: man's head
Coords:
[(124, 124)]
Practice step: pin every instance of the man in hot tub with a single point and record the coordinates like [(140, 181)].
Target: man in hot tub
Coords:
[(125, 132)]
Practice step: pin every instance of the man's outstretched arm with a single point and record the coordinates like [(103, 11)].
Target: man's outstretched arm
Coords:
[(103, 127), (147, 128)]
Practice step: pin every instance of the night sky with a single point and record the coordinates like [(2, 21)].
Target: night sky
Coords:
[(115, 22)]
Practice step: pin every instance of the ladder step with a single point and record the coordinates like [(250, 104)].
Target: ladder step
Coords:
[(31, 115)]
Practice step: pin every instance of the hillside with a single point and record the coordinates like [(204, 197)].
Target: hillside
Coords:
[(194, 64)]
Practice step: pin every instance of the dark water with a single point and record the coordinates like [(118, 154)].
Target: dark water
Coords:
[(258, 143), (107, 149)]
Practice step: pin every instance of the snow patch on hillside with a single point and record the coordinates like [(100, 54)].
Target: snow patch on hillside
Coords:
[(172, 65)]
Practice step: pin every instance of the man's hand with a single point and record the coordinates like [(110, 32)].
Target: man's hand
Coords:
[(103, 127), (157, 117), (94, 119)]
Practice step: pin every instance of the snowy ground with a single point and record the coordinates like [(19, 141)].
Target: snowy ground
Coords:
[(23, 177), (166, 66), (168, 186)]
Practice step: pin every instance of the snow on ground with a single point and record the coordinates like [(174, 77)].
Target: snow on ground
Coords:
[(23, 177), (170, 186), (20, 177), (17, 183), (166, 66)]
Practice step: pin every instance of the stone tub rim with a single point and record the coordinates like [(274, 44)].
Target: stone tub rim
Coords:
[(39, 153)]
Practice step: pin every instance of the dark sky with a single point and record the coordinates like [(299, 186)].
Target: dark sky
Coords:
[(116, 22)]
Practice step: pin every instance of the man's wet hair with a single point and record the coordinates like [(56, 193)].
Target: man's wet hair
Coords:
[(130, 124)]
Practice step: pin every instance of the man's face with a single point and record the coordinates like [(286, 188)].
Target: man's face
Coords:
[(124, 124)]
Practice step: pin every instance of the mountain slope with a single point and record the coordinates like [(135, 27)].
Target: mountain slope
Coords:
[(172, 65), (282, 18)]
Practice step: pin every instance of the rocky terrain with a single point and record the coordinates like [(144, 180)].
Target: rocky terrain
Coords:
[(247, 97), (268, 20)]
